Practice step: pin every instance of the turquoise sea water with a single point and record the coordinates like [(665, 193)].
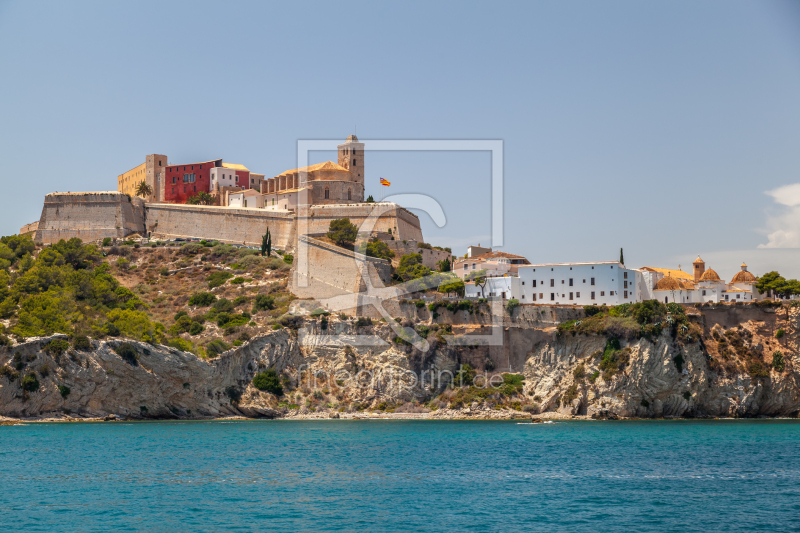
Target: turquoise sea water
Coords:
[(387, 475)]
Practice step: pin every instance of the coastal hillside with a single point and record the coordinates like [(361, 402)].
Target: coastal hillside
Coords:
[(200, 330)]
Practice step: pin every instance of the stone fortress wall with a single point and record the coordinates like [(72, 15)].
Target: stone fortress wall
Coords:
[(93, 216), (90, 216), (225, 224), (336, 273), (430, 258)]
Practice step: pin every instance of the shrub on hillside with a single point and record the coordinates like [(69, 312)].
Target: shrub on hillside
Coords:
[(64, 391), (57, 347), (82, 343), (202, 299), (216, 279), (263, 302), (30, 383), (512, 304), (778, 362), (268, 381), (779, 334), (216, 347), (127, 352)]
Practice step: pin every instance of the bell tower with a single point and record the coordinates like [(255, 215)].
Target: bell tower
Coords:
[(351, 157), (699, 268)]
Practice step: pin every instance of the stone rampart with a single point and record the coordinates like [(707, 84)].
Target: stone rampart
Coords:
[(225, 224), (336, 274), (89, 216), (430, 258), (382, 217), (29, 229)]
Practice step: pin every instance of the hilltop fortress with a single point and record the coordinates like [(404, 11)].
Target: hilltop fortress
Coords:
[(299, 201)]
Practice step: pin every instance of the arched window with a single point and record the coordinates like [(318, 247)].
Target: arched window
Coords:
[(327, 193), (349, 194)]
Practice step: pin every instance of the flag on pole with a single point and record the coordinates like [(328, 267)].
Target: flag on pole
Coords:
[(385, 183)]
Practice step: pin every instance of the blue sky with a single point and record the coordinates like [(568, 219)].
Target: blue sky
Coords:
[(668, 128)]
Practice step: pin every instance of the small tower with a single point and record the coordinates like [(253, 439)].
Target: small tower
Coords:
[(351, 157), (699, 267)]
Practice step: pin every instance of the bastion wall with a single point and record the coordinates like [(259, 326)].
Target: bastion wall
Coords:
[(90, 216), (337, 278)]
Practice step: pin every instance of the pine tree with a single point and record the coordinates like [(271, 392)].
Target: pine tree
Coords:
[(621, 258)]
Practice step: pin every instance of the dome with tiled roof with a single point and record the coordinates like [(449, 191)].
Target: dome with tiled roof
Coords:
[(668, 283), (709, 275), (743, 276)]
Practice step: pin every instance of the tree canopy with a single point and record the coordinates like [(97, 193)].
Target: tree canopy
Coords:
[(342, 232), (375, 248), (778, 285)]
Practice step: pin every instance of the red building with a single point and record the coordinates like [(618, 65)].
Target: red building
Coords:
[(184, 181)]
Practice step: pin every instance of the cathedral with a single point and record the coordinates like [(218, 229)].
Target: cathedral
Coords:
[(324, 183)]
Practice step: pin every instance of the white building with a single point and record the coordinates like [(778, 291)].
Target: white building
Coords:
[(248, 198), (604, 282), (704, 286), (500, 287), (285, 200), (496, 264), (224, 177)]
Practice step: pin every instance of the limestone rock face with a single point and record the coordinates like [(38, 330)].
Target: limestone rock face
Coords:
[(651, 383), (369, 365)]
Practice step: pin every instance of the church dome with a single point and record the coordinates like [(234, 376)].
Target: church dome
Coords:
[(743, 276), (352, 138), (709, 275), (669, 283)]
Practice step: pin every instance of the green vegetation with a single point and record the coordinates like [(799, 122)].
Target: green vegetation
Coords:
[(444, 265), (217, 279), (363, 321), (263, 302), (613, 359), (268, 381), (452, 285), (202, 299), (778, 362), (342, 232), (201, 198), (512, 304), (779, 334), (57, 347), (127, 352), (29, 383), (216, 347), (465, 376), (64, 391), (781, 287), (631, 321), (678, 360), (266, 244), (375, 248)]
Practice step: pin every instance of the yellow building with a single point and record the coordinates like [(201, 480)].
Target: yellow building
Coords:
[(151, 172)]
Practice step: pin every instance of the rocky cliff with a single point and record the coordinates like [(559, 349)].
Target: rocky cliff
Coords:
[(338, 367)]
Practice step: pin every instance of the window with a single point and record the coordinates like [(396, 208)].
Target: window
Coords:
[(611, 293), (541, 295), (592, 295), (625, 294), (327, 193), (473, 266), (354, 162), (354, 151), (349, 194), (570, 282), (534, 296), (523, 284), (592, 281), (159, 162), (552, 296), (534, 283), (552, 283), (625, 275), (523, 296), (570, 296), (562, 281), (704, 292), (626, 284), (602, 293), (577, 295), (584, 281), (466, 266)]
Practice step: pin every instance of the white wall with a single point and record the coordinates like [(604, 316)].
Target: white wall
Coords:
[(281, 201), (226, 177), (507, 288), (550, 284)]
